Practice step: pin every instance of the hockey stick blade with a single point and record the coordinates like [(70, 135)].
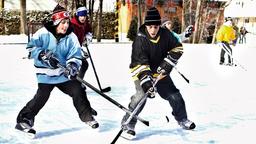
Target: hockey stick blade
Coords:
[(107, 89)]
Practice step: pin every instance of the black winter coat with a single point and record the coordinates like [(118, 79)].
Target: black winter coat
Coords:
[(146, 52)]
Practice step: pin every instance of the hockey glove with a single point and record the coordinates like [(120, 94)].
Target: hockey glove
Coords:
[(88, 37), (146, 82), (48, 58), (189, 30), (85, 54), (71, 71), (165, 67)]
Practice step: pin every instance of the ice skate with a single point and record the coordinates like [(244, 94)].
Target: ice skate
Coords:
[(26, 127), (92, 123), (128, 133), (187, 124)]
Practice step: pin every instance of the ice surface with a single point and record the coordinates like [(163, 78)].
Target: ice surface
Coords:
[(219, 99)]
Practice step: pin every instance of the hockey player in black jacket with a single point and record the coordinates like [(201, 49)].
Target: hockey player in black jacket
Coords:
[(155, 50)]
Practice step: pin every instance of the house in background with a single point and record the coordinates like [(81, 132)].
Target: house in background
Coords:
[(172, 10), (128, 9)]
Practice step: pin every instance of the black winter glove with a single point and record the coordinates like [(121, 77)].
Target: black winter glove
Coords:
[(189, 30), (147, 85), (49, 58), (71, 71), (165, 67)]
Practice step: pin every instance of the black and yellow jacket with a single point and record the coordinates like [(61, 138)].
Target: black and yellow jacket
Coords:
[(147, 53)]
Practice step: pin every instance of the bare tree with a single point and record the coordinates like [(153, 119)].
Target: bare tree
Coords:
[(203, 20), (183, 15), (139, 14), (91, 5), (85, 3), (99, 26), (1, 4), (66, 4), (23, 20), (198, 8)]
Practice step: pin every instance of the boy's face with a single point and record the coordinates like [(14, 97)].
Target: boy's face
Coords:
[(152, 30), (82, 19), (62, 27)]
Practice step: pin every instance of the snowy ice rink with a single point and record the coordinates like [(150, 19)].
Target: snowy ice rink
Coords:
[(220, 99)]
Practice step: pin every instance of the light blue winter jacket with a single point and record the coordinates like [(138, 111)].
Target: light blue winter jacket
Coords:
[(67, 49)]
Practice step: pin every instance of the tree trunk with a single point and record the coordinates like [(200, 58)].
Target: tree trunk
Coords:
[(72, 6), (183, 16), (85, 3), (203, 20), (91, 5), (216, 27), (66, 4), (23, 20), (1, 4), (197, 19), (139, 14), (99, 26), (190, 11)]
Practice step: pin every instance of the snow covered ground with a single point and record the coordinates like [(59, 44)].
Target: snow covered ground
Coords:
[(220, 99)]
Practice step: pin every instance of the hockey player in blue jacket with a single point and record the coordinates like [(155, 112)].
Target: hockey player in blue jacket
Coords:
[(50, 46)]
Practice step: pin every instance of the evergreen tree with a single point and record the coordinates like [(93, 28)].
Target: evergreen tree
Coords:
[(132, 32)]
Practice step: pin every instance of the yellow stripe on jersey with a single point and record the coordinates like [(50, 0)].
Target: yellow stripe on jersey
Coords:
[(177, 50), (138, 69), (155, 41)]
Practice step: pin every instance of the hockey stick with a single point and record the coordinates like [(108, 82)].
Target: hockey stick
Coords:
[(134, 112), (174, 65), (130, 118), (107, 89), (181, 74), (112, 100), (237, 62), (108, 98)]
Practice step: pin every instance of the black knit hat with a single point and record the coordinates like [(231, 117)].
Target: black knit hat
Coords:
[(153, 17)]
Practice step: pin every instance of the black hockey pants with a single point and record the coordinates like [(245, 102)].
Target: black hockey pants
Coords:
[(73, 88)]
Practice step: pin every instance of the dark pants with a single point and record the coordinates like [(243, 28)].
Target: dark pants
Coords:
[(167, 91), (73, 88), (226, 49), (83, 68)]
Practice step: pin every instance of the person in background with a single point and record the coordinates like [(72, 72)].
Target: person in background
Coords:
[(51, 46), (155, 51), (83, 31), (237, 34), (226, 36), (166, 23), (243, 33)]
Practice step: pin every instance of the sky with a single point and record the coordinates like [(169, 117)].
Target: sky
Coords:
[(219, 99)]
